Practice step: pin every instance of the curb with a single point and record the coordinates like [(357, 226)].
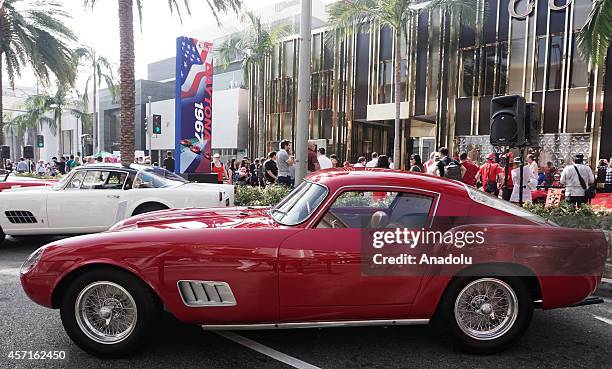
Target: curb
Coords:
[(605, 288)]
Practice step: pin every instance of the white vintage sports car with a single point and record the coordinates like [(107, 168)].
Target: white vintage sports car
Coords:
[(92, 198)]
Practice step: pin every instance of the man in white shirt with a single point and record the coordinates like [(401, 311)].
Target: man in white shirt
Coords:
[(574, 191), (533, 165), (361, 162), (324, 161), (374, 162)]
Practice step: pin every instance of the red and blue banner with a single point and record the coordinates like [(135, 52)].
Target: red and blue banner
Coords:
[(193, 104)]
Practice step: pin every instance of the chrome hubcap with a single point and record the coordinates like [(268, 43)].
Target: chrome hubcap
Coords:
[(486, 308), (106, 312)]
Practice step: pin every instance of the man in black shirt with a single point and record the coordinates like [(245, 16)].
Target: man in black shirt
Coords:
[(270, 168), (169, 162), (444, 160)]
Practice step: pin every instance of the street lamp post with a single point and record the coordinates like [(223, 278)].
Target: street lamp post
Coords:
[(303, 93), (149, 129)]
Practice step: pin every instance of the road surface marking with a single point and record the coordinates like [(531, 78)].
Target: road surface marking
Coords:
[(262, 349), (605, 320)]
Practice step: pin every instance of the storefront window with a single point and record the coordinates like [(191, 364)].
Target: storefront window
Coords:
[(540, 63), (577, 110), (555, 58), (578, 74), (288, 58), (466, 73), (488, 70), (385, 81)]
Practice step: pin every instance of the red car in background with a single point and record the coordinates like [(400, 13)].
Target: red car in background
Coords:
[(7, 183), (314, 260)]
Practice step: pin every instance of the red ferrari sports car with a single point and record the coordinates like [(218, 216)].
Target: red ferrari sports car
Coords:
[(7, 183), (334, 252)]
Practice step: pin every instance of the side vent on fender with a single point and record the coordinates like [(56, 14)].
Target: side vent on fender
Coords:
[(20, 216), (206, 293)]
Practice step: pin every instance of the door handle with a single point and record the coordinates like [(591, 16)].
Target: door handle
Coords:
[(112, 196)]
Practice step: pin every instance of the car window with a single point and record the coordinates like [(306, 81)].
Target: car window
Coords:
[(95, 180), (377, 209), (115, 181), (76, 181)]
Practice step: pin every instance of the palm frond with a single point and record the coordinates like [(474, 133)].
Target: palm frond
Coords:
[(594, 37)]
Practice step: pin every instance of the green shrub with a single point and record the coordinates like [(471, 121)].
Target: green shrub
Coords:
[(567, 215), (257, 196), (34, 175)]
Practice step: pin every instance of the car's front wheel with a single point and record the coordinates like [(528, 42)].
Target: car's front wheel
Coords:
[(486, 314), (2, 236), (108, 312)]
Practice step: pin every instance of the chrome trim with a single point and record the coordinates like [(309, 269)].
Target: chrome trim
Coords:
[(328, 324), (222, 290)]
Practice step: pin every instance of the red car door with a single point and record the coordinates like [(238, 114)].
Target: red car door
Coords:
[(321, 273)]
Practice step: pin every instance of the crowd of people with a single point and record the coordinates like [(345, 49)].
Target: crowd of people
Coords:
[(499, 175), (65, 164)]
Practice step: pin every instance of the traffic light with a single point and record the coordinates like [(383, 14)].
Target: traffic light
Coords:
[(157, 124), (508, 121), (146, 124), (40, 141)]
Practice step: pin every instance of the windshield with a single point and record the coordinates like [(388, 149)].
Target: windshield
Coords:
[(157, 178), (60, 184), (298, 205)]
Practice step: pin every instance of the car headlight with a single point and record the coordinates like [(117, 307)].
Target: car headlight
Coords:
[(32, 260)]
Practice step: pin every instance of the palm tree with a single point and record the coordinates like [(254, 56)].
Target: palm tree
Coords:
[(39, 107), (596, 33), (252, 48), (347, 16), (101, 69), (32, 33), (126, 60)]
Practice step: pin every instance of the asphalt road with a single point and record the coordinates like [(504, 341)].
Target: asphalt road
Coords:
[(564, 338)]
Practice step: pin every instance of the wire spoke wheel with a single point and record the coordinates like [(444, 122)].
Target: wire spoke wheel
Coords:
[(106, 312), (486, 309)]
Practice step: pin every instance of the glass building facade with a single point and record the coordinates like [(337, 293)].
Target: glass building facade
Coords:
[(449, 73)]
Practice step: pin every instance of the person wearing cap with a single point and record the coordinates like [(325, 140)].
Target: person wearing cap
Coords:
[(169, 162), (518, 185), (218, 168), (573, 177), (489, 175)]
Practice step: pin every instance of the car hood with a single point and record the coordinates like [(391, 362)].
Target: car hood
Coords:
[(197, 218)]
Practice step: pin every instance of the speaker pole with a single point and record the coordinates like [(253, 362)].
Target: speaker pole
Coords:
[(521, 177), (506, 174)]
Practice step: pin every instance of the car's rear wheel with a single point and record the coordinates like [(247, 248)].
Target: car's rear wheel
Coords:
[(149, 207), (108, 312), (486, 314)]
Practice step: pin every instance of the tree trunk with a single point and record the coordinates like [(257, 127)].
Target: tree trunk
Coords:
[(261, 118), (1, 111), (126, 70), (60, 150), (397, 65), (96, 137)]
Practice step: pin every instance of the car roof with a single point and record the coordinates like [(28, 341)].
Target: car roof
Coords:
[(108, 166), (343, 177)]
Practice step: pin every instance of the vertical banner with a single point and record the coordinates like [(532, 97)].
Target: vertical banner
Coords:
[(193, 104)]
